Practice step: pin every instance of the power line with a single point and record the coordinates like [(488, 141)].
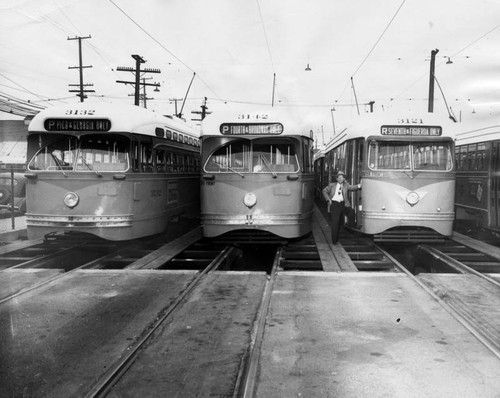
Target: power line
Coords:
[(24, 88), (162, 46), (373, 47), (475, 41), (454, 55), (284, 105)]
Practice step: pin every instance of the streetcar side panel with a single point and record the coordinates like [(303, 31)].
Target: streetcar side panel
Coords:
[(475, 197)]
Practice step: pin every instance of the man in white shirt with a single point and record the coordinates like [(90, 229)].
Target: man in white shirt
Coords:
[(336, 196)]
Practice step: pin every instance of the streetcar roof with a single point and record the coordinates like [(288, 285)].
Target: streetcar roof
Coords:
[(318, 154), (293, 122), (369, 124), (123, 118), (471, 133)]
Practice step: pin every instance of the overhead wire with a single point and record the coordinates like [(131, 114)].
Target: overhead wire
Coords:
[(24, 88), (373, 47), (454, 55), (163, 46)]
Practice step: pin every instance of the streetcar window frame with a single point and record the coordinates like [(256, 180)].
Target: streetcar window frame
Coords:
[(228, 162), (407, 160), (175, 160), (92, 152)]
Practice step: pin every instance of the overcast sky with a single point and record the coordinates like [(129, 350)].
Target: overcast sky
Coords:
[(236, 46)]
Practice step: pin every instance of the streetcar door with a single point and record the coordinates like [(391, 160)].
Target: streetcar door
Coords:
[(355, 175)]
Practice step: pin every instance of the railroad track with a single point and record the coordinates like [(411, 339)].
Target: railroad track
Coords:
[(452, 258), (66, 257), (117, 370)]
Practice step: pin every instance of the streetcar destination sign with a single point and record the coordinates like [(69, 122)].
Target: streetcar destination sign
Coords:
[(411, 130), (251, 128), (77, 124)]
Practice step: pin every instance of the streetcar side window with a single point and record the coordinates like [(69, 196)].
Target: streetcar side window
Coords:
[(146, 157), (481, 157), (462, 158), (160, 159)]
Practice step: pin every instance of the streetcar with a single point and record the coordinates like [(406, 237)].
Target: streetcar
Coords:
[(477, 154), (407, 173), (117, 172), (257, 173)]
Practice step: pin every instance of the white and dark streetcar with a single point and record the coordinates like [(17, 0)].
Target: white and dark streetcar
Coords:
[(118, 172), (477, 199), (257, 173), (407, 172)]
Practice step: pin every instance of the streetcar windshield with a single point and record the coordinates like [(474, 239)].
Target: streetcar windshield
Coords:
[(257, 156), (432, 156), (85, 153), (232, 157), (418, 156)]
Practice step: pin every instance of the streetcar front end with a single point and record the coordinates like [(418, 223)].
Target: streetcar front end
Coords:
[(409, 182)]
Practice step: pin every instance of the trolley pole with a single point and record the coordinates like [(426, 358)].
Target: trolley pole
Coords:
[(274, 86), (431, 80)]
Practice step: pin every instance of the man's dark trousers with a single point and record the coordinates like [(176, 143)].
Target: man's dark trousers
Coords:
[(336, 219)]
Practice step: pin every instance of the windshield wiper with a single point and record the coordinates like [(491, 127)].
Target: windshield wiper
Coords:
[(90, 167), (268, 165), (59, 164), (229, 168)]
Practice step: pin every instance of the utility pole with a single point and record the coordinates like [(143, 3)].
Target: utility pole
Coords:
[(175, 102), (203, 112), (371, 103), (137, 71), (144, 96), (81, 91), (431, 80)]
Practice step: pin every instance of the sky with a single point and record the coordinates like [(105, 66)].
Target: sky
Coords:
[(356, 49)]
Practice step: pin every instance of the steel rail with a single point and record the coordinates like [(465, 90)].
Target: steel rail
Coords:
[(117, 370), (458, 265), (57, 276), (248, 376), (469, 324)]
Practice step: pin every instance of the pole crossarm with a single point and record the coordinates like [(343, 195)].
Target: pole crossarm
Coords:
[(81, 92), (138, 72)]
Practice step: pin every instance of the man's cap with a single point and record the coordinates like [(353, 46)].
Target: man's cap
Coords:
[(340, 172)]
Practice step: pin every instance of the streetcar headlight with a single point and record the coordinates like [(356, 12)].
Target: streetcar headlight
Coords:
[(71, 199), (250, 200), (412, 198)]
